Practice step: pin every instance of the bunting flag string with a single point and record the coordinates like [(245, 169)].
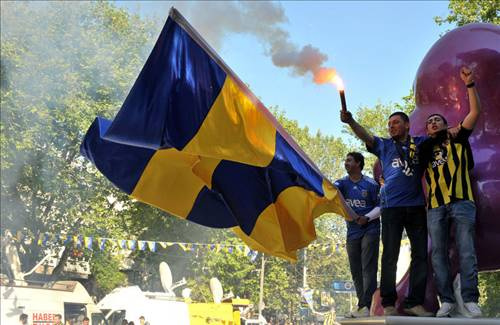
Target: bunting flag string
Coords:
[(101, 242), (88, 242)]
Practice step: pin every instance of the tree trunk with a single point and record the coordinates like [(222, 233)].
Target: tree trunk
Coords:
[(56, 273)]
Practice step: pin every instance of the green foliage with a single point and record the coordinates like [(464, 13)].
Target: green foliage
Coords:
[(62, 64), (236, 272), (471, 11), (489, 290), (105, 271), (327, 264)]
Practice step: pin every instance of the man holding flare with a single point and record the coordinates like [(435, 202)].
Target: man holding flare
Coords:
[(403, 207)]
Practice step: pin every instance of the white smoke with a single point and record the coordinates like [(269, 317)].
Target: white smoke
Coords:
[(262, 19)]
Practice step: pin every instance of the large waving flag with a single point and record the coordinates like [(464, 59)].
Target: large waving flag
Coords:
[(191, 139)]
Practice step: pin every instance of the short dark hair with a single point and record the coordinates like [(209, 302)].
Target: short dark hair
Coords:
[(441, 116), (359, 158), (86, 318), (23, 317), (142, 317), (402, 114)]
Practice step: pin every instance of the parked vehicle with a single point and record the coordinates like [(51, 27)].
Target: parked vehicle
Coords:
[(67, 298)]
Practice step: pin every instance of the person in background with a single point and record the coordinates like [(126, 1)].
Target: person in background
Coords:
[(85, 321), (23, 319), (361, 193), (142, 321), (58, 319)]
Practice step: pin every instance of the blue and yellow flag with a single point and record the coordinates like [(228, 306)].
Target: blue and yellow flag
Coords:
[(191, 139)]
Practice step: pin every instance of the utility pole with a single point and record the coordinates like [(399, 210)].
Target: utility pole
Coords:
[(304, 279), (261, 291)]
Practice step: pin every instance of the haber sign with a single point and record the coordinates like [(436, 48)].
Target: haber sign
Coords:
[(39, 318)]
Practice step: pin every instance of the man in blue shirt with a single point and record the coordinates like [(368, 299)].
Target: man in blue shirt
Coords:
[(403, 207), (363, 235)]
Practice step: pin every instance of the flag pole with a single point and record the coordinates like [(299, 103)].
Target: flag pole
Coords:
[(261, 289), (184, 23)]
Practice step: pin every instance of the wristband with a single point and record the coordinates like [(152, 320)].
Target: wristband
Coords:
[(472, 84)]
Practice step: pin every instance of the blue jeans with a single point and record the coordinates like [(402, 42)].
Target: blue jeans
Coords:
[(463, 214)]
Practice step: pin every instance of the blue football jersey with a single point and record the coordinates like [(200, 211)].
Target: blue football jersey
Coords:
[(402, 183), (362, 196)]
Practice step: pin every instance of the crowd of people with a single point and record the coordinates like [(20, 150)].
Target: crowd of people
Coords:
[(444, 158)]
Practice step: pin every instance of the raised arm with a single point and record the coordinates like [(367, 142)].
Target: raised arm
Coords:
[(361, 133), (470, 120)]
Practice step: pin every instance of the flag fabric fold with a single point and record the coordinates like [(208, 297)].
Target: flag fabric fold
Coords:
[(191, 139)]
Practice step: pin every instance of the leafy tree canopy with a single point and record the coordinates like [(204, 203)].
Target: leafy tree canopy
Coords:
[(472, 11)]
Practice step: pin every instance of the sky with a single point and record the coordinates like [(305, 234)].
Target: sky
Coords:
[(375, 46)]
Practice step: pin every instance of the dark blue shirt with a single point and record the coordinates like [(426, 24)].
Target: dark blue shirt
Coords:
[(362, 196), (402, 183)]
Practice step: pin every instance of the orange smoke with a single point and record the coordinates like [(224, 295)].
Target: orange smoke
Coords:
[(324, 75)]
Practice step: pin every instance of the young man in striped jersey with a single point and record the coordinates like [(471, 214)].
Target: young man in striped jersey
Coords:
[(448, 162)]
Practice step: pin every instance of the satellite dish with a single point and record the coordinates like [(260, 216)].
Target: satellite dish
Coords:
[(186, 293), (165, 277), (216, 288)]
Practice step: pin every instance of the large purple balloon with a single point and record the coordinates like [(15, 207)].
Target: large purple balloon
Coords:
[(438, 88)]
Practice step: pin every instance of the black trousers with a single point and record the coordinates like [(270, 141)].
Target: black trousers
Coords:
[(413, 219), (363, 260)]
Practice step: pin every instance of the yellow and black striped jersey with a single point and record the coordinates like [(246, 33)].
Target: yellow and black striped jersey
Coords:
[(447, 173)]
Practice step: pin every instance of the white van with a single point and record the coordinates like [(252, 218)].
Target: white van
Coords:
[(130, 303), (67, 298)]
